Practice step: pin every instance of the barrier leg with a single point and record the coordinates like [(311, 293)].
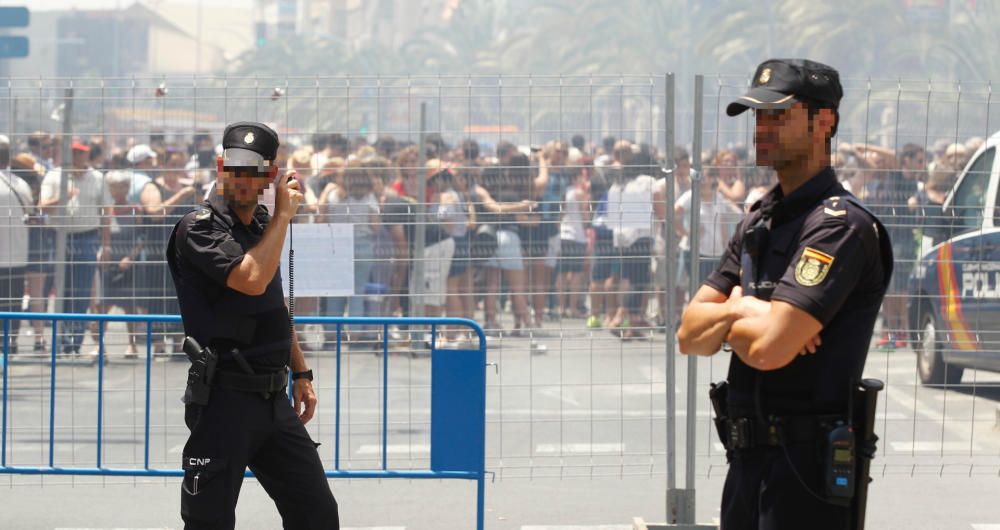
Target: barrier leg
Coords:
[(480, 502)]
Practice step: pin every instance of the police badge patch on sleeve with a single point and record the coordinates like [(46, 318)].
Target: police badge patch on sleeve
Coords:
[(812, 267)]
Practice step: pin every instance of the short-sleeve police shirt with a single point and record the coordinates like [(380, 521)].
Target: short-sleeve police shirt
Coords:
[(210, 242), (823, 255), (214, 252)]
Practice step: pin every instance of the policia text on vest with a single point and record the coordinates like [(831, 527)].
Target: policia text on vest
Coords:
[(794, 300), (223, 258)]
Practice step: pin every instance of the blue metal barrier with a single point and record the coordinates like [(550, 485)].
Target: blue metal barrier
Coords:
[(458, 402)]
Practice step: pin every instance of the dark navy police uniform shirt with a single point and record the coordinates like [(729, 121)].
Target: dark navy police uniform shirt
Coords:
[(206, 245), (829, 258)]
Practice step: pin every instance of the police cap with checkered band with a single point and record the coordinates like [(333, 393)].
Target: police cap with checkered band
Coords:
[(248, 144)]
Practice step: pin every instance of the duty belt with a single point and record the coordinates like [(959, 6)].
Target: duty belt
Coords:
[(751, 432), (266, 384)]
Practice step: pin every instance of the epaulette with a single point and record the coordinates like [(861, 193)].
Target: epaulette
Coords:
[(202, 214), (835, 206)]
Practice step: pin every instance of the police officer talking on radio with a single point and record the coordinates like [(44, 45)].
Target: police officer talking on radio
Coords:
[(224, 258), (794, 298)]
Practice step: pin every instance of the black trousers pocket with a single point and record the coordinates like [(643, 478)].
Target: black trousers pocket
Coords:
[(205, 490)]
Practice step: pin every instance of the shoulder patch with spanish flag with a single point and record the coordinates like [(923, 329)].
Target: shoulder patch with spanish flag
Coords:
[(812, 267)]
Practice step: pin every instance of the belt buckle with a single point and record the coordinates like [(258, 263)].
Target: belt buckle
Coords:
[(775, 431)]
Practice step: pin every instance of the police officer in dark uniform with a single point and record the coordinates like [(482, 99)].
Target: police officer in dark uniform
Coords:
[(224, 258), (794, 298)]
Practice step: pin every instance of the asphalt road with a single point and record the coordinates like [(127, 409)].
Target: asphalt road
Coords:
[(576, 435)]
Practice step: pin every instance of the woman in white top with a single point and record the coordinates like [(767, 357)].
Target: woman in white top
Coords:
[(573, 243), (635, 208), (717, 218), (458, 218)]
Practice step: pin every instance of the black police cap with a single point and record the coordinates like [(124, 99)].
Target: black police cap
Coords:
[(779, 83), (249, 144)]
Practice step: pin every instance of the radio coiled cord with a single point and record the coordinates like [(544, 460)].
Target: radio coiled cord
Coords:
[(291, 278)]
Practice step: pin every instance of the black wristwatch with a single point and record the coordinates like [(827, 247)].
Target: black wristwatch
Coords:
[(307, 375)]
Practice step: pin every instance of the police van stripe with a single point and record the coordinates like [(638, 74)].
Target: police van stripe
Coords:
[(951, 302)]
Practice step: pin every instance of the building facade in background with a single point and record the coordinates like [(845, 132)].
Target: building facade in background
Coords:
[(142, 39), (388, 23)]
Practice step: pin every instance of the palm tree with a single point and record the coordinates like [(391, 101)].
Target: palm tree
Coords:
[(469, 43), (594, 36), (863, 38)]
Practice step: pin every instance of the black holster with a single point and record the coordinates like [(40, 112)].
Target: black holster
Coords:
[(201, 373), (718, 394)]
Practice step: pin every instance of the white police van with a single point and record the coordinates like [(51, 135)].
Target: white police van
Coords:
[(954, 289)]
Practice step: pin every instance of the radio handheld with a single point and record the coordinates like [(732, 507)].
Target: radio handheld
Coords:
[(840, 460)]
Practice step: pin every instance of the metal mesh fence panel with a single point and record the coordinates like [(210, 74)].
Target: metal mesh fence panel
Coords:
[(471, 196), (425, 195)]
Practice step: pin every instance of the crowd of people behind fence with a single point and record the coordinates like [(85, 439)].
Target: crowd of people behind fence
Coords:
[(516, 237)]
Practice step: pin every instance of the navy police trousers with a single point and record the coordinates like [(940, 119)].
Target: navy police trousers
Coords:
[(762, 492), (237, 430)]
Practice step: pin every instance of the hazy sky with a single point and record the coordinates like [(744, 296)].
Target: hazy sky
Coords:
[(46, 5)]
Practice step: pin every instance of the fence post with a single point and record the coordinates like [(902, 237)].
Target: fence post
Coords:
[(687, 508), (61, 233), (417, 279), (671, 298)]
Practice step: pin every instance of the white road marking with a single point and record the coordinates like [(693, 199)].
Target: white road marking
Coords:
[(986, 527), (564, 396), (653, 374), (905, 400), (657, 413), (640, 389), (579, 527), (393, 449), (584, 448), (933, 447)]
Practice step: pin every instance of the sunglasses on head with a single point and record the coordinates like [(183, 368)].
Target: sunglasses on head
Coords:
[(770, 113), (246, 172)]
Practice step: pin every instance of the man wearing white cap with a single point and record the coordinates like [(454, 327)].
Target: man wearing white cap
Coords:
[(142, 158), (82, 215)]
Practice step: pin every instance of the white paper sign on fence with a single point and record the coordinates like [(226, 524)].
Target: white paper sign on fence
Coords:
[(324, 259)]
